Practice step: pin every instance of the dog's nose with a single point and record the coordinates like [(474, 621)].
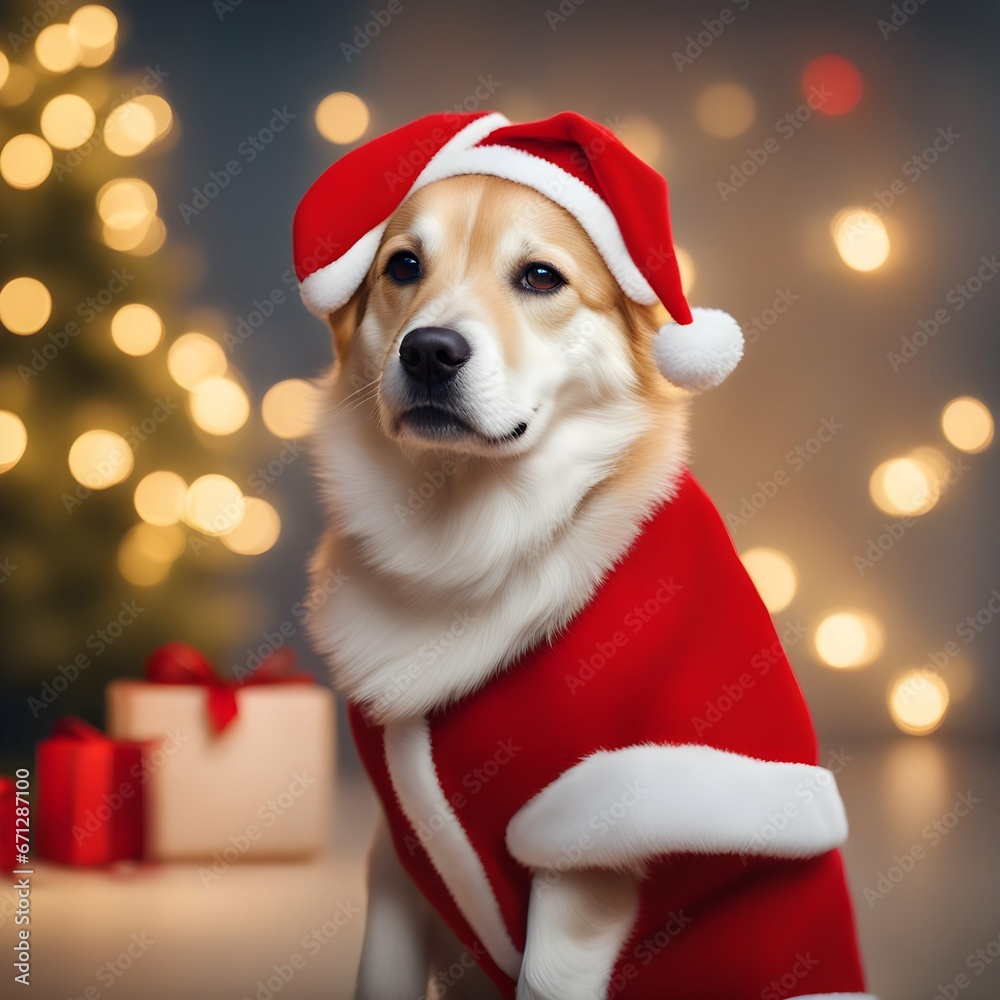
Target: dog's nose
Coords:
[(433, 354)]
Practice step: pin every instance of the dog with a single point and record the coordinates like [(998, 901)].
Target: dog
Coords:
[(495, 442)]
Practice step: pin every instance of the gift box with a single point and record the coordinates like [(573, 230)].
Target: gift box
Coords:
[(235, 769), (90, 796), (8, 837)]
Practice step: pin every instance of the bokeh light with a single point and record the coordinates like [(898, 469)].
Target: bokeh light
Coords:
[(136, 329), (904, 486), (147, 552), (18, 87), (834, 83), (163, 115), (159, 498), (219, 405), (967, 424), (918, 700), (773, 575), (25, 305), (58, 48), (97, 29), (861, 239), (644, 138), (68, 121), (194, 357), (342, 118), (129, 129), (290, 408), (257, 531), (126, 203), (847, 639), (99, 459), (4, 69), (214, 504), (25, 161), (153, 238), (13, 439), (725, 110)]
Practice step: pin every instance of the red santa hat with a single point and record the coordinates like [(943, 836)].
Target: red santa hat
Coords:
[(619, 200)]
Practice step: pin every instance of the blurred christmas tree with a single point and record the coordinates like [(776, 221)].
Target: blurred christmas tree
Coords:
[(120, 461)]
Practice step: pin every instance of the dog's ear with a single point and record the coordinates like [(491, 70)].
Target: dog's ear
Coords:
[(344, 322)]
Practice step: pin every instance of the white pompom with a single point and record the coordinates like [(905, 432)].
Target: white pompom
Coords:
[(701, 354)]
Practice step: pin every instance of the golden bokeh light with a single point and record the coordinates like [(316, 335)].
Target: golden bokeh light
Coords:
[(129, 129), (126, 203), (163, 115), (214, 504), (136, 329), (257, 531), (18, 87), (4, 69), (219, 405), (685, 265), (861, 239), (13, 439), (644, 138), (99, 459), (25, 161), (58, 48), (147, 552), (342, 118), (25, 305), (847, 639), (159, 498), (725, 110), (68, 121), (95, 26), (918, 700), (194, 357), (290, 408), (773, 575), (967, 424), (154, 237), (904, 486)]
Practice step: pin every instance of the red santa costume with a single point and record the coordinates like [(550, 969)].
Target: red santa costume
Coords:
[(662, 731)]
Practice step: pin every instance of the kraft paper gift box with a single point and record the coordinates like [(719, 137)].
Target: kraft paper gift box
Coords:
[(235, 770)]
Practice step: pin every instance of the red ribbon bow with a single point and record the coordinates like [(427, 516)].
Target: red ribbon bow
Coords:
[(178, 663)]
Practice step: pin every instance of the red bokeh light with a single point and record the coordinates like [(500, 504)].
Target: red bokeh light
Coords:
[(841, 79)]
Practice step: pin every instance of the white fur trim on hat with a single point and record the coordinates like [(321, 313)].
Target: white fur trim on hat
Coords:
[(331, 286), (701, 354)]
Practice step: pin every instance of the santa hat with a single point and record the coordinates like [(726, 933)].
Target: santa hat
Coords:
[(618, 199)]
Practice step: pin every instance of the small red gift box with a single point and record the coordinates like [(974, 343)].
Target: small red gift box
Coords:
[(8, 843), (90, 801)]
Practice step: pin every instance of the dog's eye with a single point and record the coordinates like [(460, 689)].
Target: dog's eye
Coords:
[(541, 278), (403, 266)]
